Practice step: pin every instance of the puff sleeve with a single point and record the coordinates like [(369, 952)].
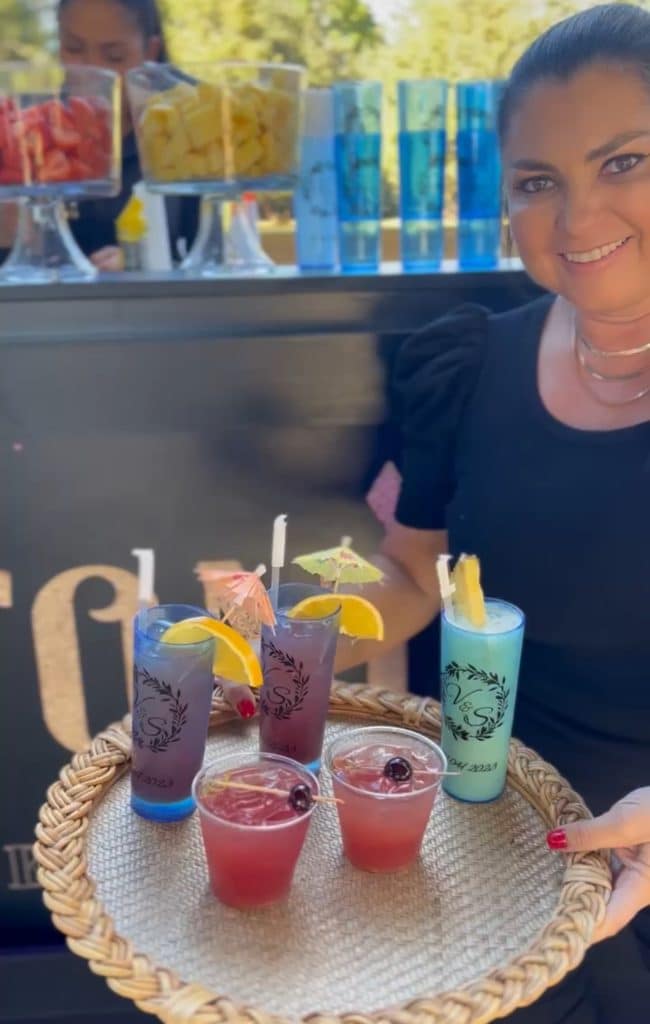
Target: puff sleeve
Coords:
[(435, 374)]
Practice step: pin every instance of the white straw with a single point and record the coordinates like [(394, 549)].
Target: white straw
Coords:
[(278, 548), (447, 588), (146, 570)]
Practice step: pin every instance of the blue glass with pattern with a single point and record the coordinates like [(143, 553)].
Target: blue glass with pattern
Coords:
[(422, 108), (357, 122), (479, 174)]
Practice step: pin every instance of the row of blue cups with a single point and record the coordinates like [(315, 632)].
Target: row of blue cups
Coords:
[(338, 196)]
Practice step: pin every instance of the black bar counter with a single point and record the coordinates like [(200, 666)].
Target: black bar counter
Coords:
[(180, 415)]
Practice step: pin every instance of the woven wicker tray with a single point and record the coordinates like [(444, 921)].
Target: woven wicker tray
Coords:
[(483, 924)]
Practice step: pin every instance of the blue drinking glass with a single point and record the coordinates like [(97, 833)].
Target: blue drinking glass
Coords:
[(357, 122), (422, 108), (479, 174), (314, 200)]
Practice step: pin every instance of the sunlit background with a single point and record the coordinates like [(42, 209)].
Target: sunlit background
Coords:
[(335, 39)]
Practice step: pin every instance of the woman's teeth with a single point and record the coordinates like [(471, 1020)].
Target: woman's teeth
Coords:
[(594, 254)]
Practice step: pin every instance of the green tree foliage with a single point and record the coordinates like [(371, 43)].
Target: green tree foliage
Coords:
[(328, 36), (22, 31)]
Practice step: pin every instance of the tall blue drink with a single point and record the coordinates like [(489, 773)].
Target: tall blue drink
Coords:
[(422, 149), (357, 119), (479, 672), (172, 692), (479, 174)]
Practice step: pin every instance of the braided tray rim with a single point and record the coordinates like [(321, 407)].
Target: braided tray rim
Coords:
[(69, 893)]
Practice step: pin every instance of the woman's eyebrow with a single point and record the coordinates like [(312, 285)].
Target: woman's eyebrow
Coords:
[(615, 143), (531, 164)]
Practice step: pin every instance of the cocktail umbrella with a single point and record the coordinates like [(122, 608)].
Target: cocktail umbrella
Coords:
[(243, 600), (240, 590), (339, 565)]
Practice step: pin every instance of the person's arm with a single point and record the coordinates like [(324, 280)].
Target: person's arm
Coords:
[(408, 597), (625, 829)]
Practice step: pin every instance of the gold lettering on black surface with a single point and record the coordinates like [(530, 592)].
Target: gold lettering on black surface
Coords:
[(56, 647)]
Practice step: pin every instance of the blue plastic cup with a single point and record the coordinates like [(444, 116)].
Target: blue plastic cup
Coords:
[(357, 122), (422, 107), (479, 174)]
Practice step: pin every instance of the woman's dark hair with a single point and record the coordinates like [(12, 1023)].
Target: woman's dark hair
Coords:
[(146, 16), (611, 33)]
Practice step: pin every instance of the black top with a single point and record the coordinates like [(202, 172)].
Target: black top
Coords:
[(560, 519), (93, 221)]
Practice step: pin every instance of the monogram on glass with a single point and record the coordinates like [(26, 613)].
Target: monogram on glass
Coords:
[(297, 665), (479, 673), (357, 122), (422, 108), (315, 195), (479, 173), (172, 692)]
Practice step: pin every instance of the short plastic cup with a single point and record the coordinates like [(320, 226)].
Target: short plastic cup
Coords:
[(252, 840), (383, 821)]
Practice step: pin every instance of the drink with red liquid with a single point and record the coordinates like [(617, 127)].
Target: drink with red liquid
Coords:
[(387, 780), (253, 839), (297, 664)]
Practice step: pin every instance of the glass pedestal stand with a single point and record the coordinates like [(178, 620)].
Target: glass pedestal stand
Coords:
[(227, 241), (44, 250)]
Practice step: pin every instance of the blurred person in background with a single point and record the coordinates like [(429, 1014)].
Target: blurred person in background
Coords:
[(117, 35)]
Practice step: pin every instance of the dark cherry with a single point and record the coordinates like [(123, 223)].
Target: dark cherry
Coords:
[(300, 797), (398, 769)]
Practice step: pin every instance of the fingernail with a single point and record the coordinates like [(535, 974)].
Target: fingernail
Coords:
[(246, 708), (557, 840)]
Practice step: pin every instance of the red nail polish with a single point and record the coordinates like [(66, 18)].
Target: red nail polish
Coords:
[(246, 708), (557, 840)]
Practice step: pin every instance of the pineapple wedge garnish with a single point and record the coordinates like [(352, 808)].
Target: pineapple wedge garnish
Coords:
[(468, 595)]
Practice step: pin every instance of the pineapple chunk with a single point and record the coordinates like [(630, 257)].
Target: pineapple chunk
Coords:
[(246, 155), (203, 125), (155, 151), (159, 118), (178, 144), (214, 159), (196, 165), (468, 596)]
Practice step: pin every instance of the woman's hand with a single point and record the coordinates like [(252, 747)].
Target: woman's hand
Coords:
[(110, 259), (625, 829)]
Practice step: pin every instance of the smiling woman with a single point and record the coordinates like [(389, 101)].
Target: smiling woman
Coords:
[(527, 441)]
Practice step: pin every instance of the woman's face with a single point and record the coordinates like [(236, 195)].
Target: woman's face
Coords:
[(103, 33), (577, 174)]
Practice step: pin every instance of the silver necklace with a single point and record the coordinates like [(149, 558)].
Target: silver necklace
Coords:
[(584, 367), (605, 353)]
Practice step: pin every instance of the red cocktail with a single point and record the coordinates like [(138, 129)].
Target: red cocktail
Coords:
[(387, 780), (255, 811)]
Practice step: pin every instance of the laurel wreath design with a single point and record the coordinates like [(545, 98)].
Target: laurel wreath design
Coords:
[(177, 709), (495, 684), (299, 678)]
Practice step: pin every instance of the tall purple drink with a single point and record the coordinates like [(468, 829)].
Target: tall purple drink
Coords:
[(172, 692), (297, 664)]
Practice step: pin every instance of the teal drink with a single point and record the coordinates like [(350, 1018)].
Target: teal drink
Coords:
[(478, 681)]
